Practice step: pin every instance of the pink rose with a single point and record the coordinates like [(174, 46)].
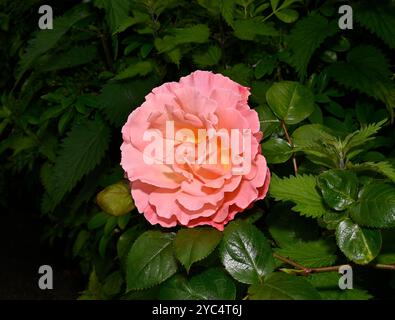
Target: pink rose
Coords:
[(191, 152)]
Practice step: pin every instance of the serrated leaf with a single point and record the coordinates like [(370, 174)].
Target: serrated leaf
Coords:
[(47, 39), (378, 19), (245, 253), (198, 33), (140, 68), (339, 188), (327, 283), (311, 32), (276, 150), (300, 190), (288, 228), (150, 260), (281, 286), (212, 284), (192, 245), (358, 244), (80, 152), (251, 28), (319, 253), (290, 101), (359, 138), (384, 168), (74, 57), (376, 206), (366, 70), (116, 12), (117, 100), (209, 57)]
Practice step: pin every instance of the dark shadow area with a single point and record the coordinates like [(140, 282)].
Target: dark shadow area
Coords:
[(22, 253)]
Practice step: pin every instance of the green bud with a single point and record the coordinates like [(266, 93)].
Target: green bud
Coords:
[(116, 199)]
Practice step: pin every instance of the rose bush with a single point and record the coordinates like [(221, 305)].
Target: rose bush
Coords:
[(193, 194), (322, 97)]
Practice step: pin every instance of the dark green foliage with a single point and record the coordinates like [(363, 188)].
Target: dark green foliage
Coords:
[(325, 98)]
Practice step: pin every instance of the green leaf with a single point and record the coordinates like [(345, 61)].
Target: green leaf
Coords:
[(212, 284), (80, 242), (376, 206), (339, 188), (113, 283), (116, 199), (74, 57), (150, 260), (306, 37), (359, 244), (265, 66), (140, 68), (300, 190), (384, 168), (117, 100), (80, 152), (103, 244), (331, 219), (287, 15), (387, 253), (379, 19), (192, 245), (240, 73), (287, 228), (98, 220), (368, 71), (281, 286), (123, 221), (359, 138), (269, 122), (198, 33), (210, 57), (125, 242), (310, 135), (319, 253), (276, 150), (110, 225), (290, 101), (47, 39), (327, 283), (116, 12), (317, 142), (245, 253), (251, 28)]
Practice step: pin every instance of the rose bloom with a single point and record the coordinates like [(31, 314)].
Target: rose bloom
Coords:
[(193, 193)]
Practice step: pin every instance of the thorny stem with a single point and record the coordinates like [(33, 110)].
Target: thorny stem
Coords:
[(291, 144), (306, 271)]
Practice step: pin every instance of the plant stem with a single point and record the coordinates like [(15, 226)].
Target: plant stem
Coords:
[(291, 144), (383, 266), (107, 52), (306, 271)]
